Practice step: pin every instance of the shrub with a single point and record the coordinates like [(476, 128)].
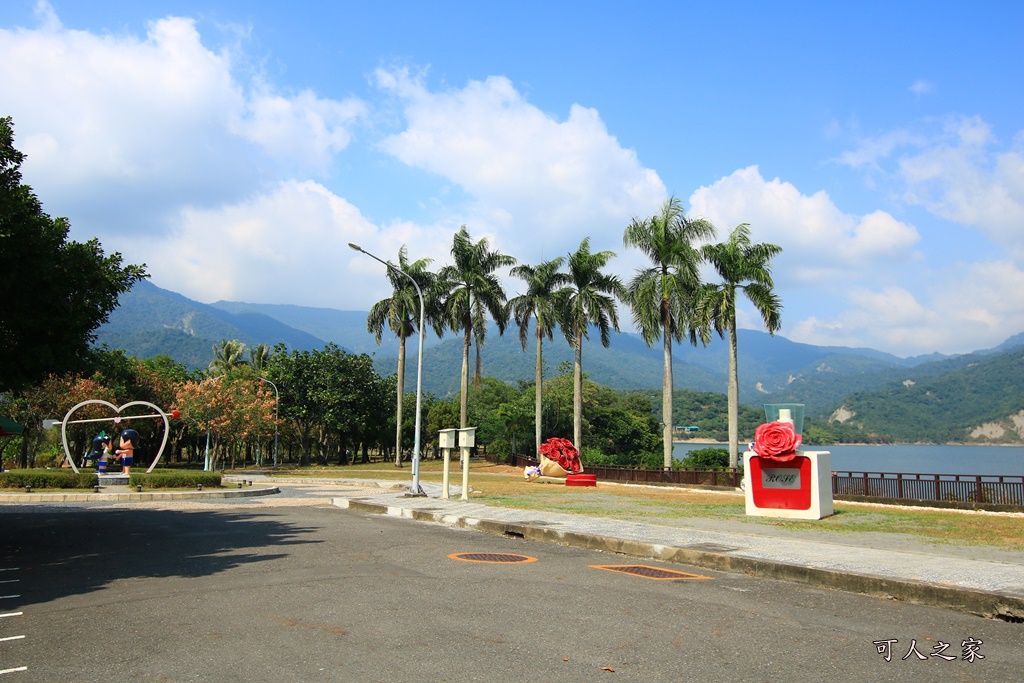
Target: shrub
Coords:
[(47, 479), (653, 461), (174, 479), (707, 457)]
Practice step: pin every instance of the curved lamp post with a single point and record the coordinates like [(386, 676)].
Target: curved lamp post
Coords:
[(415, 490), (277, 403)]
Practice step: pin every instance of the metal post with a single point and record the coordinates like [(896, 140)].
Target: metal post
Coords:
[(415, 489)]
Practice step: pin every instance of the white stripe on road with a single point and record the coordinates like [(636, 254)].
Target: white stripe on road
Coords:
[(11, 638), (10, 671), (11, 614)]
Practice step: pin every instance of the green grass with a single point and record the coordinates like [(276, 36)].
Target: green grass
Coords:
[(505, 487)]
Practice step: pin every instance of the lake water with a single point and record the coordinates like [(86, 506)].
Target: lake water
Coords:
[(915, 459)]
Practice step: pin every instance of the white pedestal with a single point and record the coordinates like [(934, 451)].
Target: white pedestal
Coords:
[(799, 489)]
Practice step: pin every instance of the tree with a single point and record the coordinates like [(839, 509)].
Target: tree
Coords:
[(469, 290), (226, 356), (55, 293), (334, 398), (538, 303), (53, 397), (401, 312), (259, 358), (589, 299), (662, 295), (745, 267)]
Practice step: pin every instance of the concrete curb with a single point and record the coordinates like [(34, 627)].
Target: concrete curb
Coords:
[(981, 603), (133, 496)]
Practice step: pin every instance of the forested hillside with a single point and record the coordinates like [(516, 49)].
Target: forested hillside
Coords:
[(950, 406), (151, 321)]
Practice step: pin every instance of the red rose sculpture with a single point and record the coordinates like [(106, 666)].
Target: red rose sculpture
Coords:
[(563, 452), (777, 440)]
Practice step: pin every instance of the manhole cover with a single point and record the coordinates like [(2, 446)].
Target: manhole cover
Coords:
[(649, 572), (712, 547), (494, 558)]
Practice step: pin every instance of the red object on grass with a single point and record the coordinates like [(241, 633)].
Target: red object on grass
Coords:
[(581, 480), (563, 452), (175, 414)]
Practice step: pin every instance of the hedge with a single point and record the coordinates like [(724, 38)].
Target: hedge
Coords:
[(47, 479), (174, 479)]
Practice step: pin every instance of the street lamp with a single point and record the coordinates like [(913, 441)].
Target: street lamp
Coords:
[(415, 490), (277, 402)]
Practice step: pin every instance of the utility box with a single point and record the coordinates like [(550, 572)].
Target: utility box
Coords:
[(467, 437), (446, 438)]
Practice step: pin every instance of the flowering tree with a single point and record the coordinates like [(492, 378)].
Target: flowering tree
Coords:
[(51, 399)]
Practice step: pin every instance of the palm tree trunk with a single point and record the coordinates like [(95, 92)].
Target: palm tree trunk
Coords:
[(401, 396), (666, 396), (734, 399), (479, 369), (464, 400), (539, 379), (577, 395)]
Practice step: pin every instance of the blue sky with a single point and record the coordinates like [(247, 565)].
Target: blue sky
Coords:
[(237, 147)]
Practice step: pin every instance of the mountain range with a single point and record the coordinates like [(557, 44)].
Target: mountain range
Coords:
[(151, 321)]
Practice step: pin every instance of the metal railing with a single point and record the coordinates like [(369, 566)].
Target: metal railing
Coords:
[(949, 488), (959, 490)]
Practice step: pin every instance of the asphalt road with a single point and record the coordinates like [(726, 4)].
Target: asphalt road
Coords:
[(315, 593)]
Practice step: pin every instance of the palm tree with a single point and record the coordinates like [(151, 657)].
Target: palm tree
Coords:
[(662, 295), (227, 355), (468, 290), (259, 357), (542, 281), (589, 299), (743, 267), (401, 313)]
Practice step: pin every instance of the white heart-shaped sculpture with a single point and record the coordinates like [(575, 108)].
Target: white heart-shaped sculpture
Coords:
[(117, 419)]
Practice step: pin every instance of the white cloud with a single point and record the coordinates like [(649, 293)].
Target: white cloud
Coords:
[(819, 240), (956, 170), (286, 246), (922, 87), (965, 307), (304, 128), (962, 179), (870, 152), (150, 122), (553, 182), (883, 292)]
